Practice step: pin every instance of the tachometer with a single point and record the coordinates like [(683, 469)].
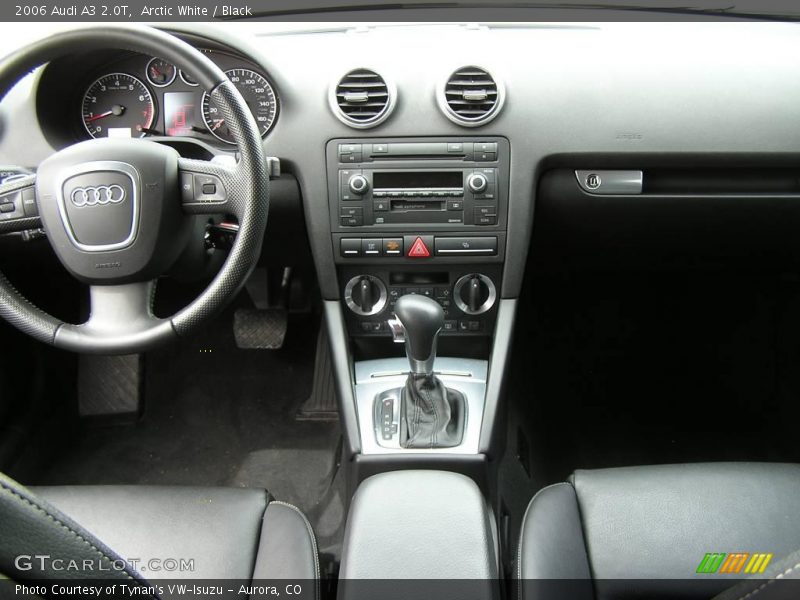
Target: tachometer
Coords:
[(117, 105), (258, 94)]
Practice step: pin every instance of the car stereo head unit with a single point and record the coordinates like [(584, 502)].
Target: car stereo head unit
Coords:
[(443, 183)]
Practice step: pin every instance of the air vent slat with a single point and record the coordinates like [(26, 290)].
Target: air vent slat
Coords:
[(471, 96), (362, 98), (360, 85)]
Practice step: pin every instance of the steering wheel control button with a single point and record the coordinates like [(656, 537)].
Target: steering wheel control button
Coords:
[(187, 188), (29, 203), (209, 189), (11, 206), (615, 183), (418, 246)]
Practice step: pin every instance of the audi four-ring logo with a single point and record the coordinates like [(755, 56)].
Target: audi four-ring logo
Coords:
[(97, 195)]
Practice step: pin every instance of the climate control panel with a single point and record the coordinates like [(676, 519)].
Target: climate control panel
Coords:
[(468, 297)]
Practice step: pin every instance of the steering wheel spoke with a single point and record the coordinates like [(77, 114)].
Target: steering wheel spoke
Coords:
[(209, 188), (18, 208), (120, 316)]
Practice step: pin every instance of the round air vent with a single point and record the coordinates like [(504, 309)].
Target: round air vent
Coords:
[(471, 96), (362, 98)]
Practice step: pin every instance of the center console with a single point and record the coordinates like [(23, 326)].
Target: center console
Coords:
[(419, 534), (424, 217), (419, 216)]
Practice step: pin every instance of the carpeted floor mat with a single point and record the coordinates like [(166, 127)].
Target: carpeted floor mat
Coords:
[(217, 415)]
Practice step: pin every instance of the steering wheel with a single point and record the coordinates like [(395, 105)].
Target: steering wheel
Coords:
[(118, 212)]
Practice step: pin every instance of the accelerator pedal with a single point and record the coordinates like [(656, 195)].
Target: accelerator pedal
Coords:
[(321, 405), (264, 327)]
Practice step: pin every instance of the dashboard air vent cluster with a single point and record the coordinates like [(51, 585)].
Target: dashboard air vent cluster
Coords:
[(471, 96), (362, 98)]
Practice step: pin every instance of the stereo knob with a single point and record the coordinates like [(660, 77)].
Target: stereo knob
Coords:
[(474, 294), (477, 183), (365, 295), (358, 184)]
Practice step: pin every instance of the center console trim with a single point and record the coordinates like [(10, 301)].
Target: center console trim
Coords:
[(375, 377)]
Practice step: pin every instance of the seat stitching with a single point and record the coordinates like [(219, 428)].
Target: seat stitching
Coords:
[(311, 535), (522, 534), (773, 580), (64, 526)]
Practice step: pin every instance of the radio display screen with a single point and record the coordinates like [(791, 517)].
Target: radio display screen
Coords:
[(417, 179)]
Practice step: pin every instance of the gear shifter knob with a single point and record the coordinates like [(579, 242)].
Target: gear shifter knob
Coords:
[(422, 319)]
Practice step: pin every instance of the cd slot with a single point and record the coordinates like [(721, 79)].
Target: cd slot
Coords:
[(417, 204), (393, 157)]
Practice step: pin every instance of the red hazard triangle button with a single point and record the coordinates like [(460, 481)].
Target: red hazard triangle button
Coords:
[(418, 249)]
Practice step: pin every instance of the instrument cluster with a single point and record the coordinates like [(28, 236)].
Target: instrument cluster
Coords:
[(140, 96)]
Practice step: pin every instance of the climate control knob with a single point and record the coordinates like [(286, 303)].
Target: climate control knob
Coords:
[(474, 294), (365, 295), (477, 183), (358, 184)]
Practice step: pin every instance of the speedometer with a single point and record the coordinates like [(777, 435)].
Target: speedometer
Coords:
[(117, 104), (257, 93)]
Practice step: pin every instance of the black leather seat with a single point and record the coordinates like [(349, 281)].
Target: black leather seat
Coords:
[(218, 533), (642, 532)]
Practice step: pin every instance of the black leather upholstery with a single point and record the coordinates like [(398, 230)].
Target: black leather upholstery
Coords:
[(642, 531), (226, 533)]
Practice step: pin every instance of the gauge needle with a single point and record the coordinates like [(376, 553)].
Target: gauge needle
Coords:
[(116, 110)]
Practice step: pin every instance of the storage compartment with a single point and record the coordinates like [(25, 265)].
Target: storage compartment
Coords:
[(419, 534), (682, 218)]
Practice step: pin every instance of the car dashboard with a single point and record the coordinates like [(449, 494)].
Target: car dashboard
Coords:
[(442, 159)]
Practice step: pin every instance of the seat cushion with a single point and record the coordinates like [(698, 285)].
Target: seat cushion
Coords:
[(226, 533), (643, 531)]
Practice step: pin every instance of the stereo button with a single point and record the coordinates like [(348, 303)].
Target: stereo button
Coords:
[(455, 205), (485, 146)]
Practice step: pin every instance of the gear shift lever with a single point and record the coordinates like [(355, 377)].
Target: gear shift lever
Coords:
[(421, 320), (432, 415)]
